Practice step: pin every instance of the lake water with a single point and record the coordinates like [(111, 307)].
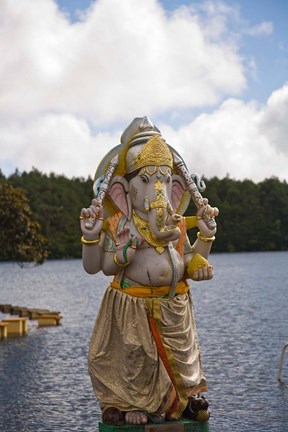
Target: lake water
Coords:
[(242, 319)]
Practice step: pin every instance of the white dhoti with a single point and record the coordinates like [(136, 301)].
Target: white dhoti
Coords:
[(144, 353)]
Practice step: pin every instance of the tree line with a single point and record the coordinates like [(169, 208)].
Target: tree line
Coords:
[(253, 216)]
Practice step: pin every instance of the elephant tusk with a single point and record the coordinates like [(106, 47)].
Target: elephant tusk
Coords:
[(146, 204)]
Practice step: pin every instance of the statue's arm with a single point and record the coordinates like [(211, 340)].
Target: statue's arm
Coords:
[(195, 260), (107, 256), (92, 256), (91, 222), (119, 255)]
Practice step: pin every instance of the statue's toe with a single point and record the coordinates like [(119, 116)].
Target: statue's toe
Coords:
[(136, 417), (113, 416)]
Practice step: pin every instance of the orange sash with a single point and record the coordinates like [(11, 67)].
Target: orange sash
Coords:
[(147, 291)]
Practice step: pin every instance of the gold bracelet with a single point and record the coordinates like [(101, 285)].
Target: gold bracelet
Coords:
[(205, 239), (89, 242), (93, 217), (119, 264)]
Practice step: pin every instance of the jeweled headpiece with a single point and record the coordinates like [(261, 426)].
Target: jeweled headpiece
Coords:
[(154, 152), (145, 146)]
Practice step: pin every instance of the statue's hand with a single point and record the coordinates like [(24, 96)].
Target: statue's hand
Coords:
[(205, 231), (204, 272), (91, 220), (126, 245), (199, 269)]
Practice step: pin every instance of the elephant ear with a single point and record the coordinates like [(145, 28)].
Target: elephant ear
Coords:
[(118, 194), (180, 197)]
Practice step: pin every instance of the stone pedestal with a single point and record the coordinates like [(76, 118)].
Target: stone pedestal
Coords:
[(182, 425)]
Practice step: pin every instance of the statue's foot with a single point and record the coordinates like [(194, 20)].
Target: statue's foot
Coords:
[(113, 416), (136, 417), (197, 409), (156, 418)]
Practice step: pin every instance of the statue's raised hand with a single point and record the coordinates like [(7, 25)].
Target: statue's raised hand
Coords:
[(212, 212), (91, 220), (126, 245)]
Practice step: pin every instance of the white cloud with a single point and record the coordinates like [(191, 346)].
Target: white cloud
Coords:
[(61, 144), (264, 28), (60, 83), (244, 140), (123, 56), (274, 122), (239, 139)]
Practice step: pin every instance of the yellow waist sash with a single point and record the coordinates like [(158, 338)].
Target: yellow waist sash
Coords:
[(147, 291)]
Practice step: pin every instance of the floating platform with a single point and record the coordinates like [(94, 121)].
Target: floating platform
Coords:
[(49, 320), (181, 425), (5, 308), (3, 330), (25, 312), (18, 326)]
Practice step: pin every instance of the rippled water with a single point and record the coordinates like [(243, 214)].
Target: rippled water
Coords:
[(242, 322)]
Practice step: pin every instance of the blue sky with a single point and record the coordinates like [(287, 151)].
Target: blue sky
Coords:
[(271, 55), (211, 75)]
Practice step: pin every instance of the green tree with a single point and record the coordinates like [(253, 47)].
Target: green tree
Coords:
[(253, 217), (273, 196), (20, 237), (56, 202)]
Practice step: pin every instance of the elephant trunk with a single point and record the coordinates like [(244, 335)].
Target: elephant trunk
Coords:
[(162, 226), (161, 219)]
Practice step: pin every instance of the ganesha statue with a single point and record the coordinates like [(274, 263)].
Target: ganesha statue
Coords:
[(144, 356)]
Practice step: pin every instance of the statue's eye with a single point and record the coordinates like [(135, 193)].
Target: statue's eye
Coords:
[(144, 179), (168, 180)]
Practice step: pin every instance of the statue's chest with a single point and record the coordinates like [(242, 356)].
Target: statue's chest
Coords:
[(147, 238)]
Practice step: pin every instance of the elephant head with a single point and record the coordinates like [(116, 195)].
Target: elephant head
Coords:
[(149, 189), (145, 183)]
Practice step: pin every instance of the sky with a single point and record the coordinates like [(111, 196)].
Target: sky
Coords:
[(211, 75)]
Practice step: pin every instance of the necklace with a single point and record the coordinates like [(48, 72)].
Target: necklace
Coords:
[(145, 231)]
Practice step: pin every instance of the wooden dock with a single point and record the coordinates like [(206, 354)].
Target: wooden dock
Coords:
[(181, 425)]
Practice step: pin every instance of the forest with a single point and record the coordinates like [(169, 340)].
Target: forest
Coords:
[(253, 216)]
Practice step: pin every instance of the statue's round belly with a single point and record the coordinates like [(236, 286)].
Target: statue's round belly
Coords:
[(153, 269)]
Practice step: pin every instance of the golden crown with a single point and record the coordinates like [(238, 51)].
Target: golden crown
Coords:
[(155, 152)]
